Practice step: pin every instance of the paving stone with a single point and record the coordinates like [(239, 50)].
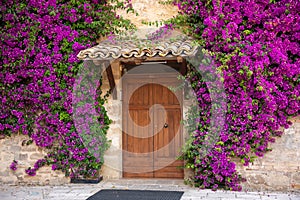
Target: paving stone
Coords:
[(82, 191), (248, 196), (220, 195)]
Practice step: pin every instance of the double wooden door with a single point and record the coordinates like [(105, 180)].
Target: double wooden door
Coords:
[(152, 132)]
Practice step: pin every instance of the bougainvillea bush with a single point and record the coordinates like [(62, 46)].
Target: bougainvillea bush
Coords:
[(255, 45), (39, 43)]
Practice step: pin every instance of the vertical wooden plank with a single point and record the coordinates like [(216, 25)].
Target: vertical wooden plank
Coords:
[(146, 95), (139, 95), (130, 92), (162, 133), (171, 99)]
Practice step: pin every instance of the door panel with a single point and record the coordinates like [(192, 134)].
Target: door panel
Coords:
[(150, 148)]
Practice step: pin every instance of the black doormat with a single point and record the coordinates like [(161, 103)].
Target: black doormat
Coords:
[(136, 195)]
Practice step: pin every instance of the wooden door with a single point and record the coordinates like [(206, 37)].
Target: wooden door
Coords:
[(152, 135)]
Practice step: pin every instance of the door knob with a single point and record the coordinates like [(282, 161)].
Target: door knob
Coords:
[(166, 125)]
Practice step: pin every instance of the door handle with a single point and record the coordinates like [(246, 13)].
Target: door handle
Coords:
[(166, 125)]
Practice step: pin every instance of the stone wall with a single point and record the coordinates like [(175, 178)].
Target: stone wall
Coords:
[(148, 11), (278, 170), (11, 149), (112, 168)]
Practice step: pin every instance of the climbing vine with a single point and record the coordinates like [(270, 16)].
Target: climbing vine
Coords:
[(39, 44), (255, 45)]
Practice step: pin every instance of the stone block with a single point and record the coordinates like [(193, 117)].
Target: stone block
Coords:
[(20, 178), (253, 167), (14, 148), (36, 156), (279, 180), (29, 148), (247, 186), (267, 167), (4, 173), (59, 181), (9, 180), (110, 173), (23, 156), (286, 167), (6, 141), (295, 177), (7, 157), (256, 179)]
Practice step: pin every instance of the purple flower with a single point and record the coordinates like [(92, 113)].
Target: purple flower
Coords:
[(13, 165)]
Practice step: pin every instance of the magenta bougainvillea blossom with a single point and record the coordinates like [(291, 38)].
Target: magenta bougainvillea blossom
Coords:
[(255, 45), (13, 165), (39, 43)]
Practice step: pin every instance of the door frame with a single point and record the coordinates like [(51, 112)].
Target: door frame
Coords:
[(141, 78)]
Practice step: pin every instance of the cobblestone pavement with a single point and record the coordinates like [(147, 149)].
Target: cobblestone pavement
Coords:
[(83, 191)]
